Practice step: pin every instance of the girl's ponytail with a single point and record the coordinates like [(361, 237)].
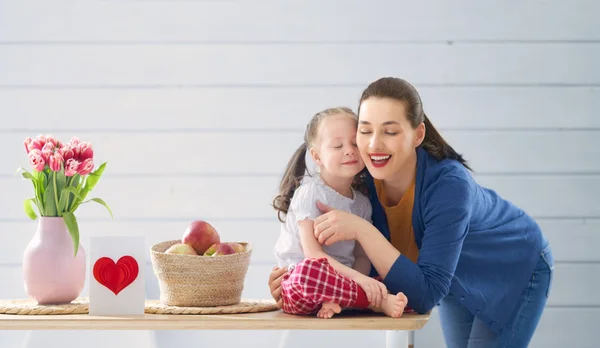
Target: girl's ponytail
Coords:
[(292, 178)]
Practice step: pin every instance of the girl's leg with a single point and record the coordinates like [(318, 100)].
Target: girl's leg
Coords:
[(314, 282)]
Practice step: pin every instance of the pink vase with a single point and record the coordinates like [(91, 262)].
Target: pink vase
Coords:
[(52, 274)]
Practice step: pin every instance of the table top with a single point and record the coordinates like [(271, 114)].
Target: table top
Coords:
[(273, 320)]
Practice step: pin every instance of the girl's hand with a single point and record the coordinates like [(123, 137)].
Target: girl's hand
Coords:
[(336, 225), (376, 291), (275, 284)]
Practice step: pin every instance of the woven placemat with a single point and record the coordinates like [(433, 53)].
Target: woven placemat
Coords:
[(31, 307), (245, 306)]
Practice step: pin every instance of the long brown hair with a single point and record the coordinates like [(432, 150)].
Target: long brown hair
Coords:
[(296, 167), (401, 90)]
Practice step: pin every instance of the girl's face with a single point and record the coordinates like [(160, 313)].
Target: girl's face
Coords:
[(335, 150), (385, 138)]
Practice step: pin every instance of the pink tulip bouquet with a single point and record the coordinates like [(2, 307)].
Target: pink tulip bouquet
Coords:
[(63, 175)]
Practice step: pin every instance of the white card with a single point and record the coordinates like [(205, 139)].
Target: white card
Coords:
[(116, 275)]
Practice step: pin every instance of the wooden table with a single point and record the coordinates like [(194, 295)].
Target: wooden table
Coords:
[(399, 332)]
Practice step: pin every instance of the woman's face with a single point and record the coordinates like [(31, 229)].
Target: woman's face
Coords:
[(385, 138)]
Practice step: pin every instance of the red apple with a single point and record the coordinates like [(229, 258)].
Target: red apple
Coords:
[(200, 235), (181, 248), (211, 250), (239, 248), (223, 249)]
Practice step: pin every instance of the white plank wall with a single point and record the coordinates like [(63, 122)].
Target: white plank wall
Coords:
[(197, 106)]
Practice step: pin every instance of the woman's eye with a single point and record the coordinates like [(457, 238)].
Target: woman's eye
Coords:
[(338, 147), (390, 133), (365, 132)]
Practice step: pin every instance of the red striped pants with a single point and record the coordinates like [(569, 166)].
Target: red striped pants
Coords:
[(313, 282)]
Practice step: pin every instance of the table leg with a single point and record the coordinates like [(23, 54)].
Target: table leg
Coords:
[(397, 339)]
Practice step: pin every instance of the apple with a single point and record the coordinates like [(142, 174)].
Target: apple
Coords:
[(239, 248), (223, 249), (181, 248), (211, 250), (200, 235)]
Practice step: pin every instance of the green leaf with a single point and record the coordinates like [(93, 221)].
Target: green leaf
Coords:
[(73, 228), (73, 190), (98, 200), (42, 183), (62, 203), (29, 209), (28, 175), (61, 180), (49, 204), (92, 179)]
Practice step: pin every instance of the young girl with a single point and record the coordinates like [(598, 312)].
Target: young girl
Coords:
[(323, 279)]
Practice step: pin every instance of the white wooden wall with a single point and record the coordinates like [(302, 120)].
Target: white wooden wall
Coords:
[(197, 106)]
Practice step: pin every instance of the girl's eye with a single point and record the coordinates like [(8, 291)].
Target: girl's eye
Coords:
[(365, 132), (390, 133), (338, 147)]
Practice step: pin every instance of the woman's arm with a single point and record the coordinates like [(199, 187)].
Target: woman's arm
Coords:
[(446, 216), (379, 250)]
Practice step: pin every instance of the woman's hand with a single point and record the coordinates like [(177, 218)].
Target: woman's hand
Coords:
[(376, 291), (336, 225), (275, 284)]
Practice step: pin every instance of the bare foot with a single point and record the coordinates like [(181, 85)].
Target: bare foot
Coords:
[(328, 309), (393, 306)]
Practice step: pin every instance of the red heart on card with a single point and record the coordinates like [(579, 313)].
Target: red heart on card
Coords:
[(116, 277)]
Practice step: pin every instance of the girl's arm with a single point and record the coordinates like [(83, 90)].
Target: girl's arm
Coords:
[(312, 249), (375, 290), (337, 225)]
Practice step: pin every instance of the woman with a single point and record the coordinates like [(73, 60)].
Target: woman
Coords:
[(437, 235)]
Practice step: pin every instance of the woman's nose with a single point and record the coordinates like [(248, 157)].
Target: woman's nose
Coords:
[(374, 141)]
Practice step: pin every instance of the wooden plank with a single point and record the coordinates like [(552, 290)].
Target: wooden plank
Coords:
[(131, 109), (572, 240), (250, 197), (301, 64), (558, 327), (273, 320), (276, 21), (252, 153)]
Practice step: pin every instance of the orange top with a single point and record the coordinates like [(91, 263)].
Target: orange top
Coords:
[(399, 219)]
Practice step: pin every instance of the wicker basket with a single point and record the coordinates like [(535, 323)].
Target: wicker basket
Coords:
[(199, 281)]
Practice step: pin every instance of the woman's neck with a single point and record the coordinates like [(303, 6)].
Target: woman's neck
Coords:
[(342, 186), (396, 187)]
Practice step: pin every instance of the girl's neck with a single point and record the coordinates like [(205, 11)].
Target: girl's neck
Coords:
[(396, 187), (342, 186)]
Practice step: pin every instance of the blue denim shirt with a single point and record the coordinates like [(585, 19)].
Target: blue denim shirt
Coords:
[(472, 243)]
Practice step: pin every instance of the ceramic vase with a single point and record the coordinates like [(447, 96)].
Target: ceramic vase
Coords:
[(52, 273)]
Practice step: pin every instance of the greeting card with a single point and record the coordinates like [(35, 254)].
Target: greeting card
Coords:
[(116, 275)]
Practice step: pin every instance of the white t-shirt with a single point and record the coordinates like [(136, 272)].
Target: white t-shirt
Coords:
[(288, 249)]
